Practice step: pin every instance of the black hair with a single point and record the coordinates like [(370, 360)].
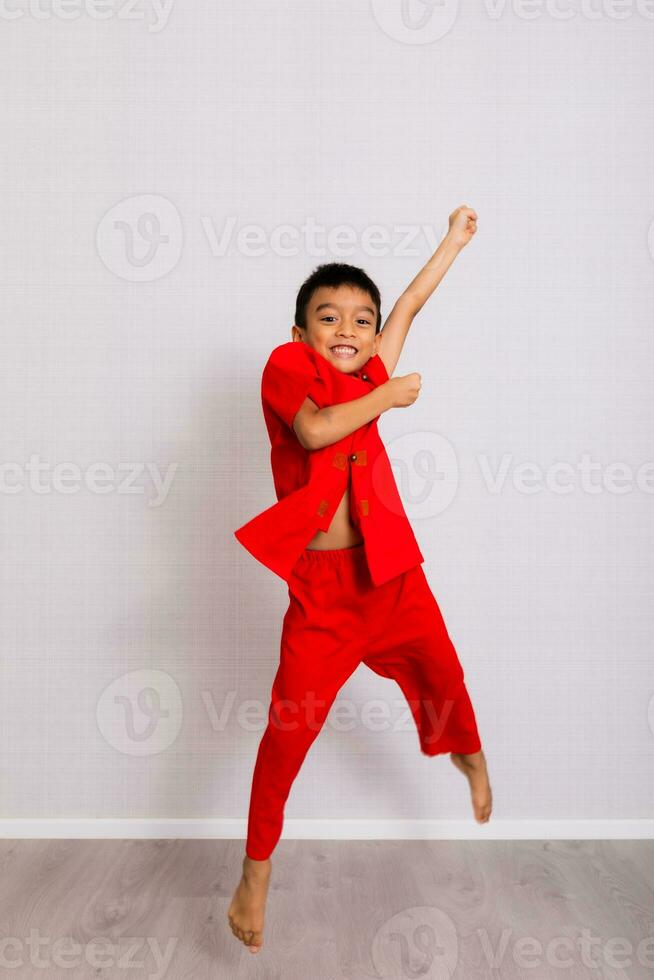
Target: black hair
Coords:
[(335, 274)]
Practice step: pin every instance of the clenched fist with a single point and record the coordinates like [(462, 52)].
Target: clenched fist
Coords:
[(404, 390), (462, 225)]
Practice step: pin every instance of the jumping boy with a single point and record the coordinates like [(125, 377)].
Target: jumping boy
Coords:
[(340, 538)]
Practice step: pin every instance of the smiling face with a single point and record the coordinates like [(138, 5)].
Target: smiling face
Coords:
[(341, 324)]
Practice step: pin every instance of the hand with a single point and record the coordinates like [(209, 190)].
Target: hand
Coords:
[(404, 390), (463, 225)]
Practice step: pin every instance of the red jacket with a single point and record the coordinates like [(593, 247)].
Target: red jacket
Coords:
[(310, 484)]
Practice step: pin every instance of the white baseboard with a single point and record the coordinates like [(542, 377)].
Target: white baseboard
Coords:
[(468, 829)]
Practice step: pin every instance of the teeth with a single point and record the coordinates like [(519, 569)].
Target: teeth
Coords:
[(344, 347)]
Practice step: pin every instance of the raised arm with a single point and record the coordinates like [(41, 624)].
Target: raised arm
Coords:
[(318, 427), (462, 226)]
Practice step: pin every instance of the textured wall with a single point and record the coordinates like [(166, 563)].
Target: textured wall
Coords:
[(139, 640)]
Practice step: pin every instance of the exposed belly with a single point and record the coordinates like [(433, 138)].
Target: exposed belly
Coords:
[(342, 533)]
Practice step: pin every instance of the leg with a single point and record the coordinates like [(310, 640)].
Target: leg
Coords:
[(307, 681), (321, 645), (415, 649)]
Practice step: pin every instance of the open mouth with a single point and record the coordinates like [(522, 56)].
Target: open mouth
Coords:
[(344, 350)]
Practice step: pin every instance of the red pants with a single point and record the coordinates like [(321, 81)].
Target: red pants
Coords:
[(337, 619)]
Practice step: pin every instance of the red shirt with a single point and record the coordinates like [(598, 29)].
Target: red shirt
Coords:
[(310, 484)]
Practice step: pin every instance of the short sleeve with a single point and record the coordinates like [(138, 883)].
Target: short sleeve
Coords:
[(376, 370), (289, 376)]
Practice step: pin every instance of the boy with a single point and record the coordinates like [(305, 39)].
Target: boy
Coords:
[(341, 539)]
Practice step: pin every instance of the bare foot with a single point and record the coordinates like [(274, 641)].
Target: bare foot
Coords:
[(246, 912), (474, 768)]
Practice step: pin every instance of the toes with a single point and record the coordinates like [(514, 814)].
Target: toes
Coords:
[(248, 937), (482, 813)]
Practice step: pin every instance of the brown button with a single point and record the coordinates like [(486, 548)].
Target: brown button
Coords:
[(353, 456), (364, 377)]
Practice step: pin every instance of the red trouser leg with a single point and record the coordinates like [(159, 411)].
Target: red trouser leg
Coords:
[(414, 648), (337, 619), (321, 645)]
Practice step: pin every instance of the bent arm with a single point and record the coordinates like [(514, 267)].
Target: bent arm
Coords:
[(318, 427)]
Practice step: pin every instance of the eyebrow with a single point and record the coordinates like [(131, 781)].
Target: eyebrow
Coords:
[(323, 306)]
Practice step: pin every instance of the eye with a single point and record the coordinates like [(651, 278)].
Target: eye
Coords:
[(328, 317), (363, 320)]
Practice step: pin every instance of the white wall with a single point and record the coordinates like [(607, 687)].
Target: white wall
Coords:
[(127, 351)]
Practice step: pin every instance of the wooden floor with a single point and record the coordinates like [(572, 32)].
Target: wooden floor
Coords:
[(336, 909)]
